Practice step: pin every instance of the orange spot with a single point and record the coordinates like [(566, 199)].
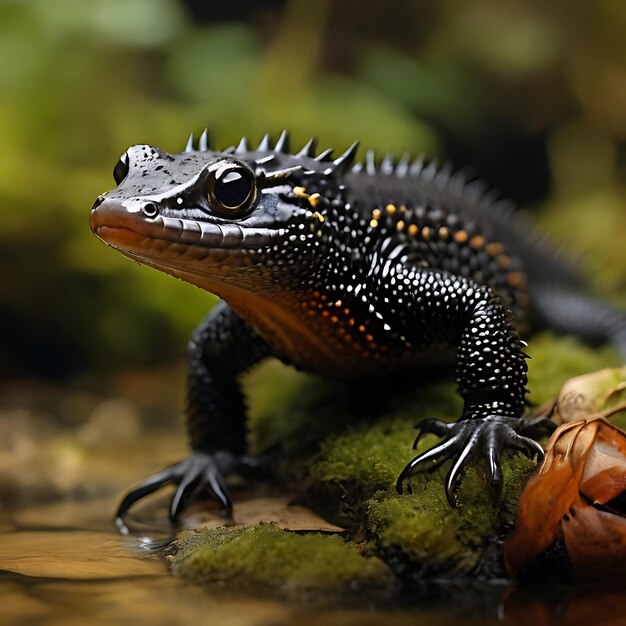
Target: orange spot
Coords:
[(376, 214), (413, 229), (494, 249), (316, 294), (334, 319), (504, 261), (390, 208), (325, 313), (351, 322), (362, 328), (461, 236), (369, 338), (477, 242), (426, 233), (314, 199), (400, 226), (346, 311), (444, 232), (516, 279), (374, 223)]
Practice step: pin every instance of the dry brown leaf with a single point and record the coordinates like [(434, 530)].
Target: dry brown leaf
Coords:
[(600, 393), (585, 465), (253, 510)]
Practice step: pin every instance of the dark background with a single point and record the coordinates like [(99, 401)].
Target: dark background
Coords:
[(531, 95)]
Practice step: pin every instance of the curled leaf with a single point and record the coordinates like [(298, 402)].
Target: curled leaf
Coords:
[(577, 495), (600, 393)]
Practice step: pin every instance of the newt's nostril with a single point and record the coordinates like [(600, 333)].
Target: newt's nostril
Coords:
[(150, 209)]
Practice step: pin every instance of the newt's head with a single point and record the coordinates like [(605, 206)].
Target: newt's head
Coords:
[(220, 218)]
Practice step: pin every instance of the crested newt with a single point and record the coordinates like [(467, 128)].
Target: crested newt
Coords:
[(350, 270)]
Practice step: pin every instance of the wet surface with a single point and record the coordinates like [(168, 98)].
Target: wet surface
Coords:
[(61, 561)]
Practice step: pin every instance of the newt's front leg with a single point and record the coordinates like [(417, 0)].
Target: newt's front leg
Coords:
[(491, 372), (221, 347)]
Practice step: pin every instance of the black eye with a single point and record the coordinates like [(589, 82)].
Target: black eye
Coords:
[(233, 188), (121, 169)]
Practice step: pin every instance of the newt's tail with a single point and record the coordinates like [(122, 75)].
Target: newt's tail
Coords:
[(570, 311)]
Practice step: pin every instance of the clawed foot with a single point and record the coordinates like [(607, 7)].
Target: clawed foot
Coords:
[(200, 471), (466, 439)]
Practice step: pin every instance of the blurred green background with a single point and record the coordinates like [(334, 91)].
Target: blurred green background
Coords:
[(532, 95)]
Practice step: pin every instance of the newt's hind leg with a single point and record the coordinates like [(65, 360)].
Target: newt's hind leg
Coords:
[(570, 312)]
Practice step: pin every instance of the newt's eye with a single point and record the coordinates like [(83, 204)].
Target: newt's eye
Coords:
[(120, 170), (233, 188)]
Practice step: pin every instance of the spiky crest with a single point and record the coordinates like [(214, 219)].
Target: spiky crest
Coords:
[(309, 148), (282, 145), (345, 161), (325, 156), (204, 143), (242, 146), (264, 145)]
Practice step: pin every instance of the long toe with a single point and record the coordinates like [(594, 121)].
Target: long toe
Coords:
[(466, 456), (430, 459), (143, 489)]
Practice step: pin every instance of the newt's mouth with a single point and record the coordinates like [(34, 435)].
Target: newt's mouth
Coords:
[(132, 231), (207, 267)]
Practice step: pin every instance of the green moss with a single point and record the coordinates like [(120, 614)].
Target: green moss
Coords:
[(299, 412), (353, 477), (265, 557), (424, 531), (343, 448), (289, 409), (555, 359)]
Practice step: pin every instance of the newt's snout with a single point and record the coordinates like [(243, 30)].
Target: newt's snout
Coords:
[(134, 213)]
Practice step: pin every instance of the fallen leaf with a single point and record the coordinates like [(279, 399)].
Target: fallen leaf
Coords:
[(250, 511), (574, 497), (601, 393)]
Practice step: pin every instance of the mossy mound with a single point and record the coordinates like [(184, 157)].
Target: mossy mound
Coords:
[(556, 359), (352, 480), (264, 557), (421, 535), (343, 449)]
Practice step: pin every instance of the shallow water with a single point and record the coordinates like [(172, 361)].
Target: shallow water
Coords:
[(62, 562)]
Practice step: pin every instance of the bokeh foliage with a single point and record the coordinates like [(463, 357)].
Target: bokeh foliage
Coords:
[(532, 95)]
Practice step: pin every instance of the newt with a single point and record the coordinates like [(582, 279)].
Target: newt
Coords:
[(350, 270)]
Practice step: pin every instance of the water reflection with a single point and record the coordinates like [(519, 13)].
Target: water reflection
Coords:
[(61, 561)]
